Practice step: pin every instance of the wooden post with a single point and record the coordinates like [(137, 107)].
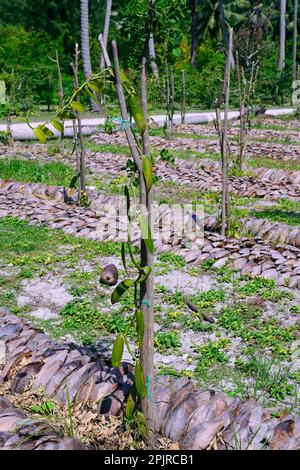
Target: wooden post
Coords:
[(147, 287), (81, 160), (60, 85), (225, 195)]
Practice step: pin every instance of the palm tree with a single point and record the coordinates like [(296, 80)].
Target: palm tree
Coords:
[(295, 33), (215, 17), (194, 31), (85, 44), (106, 27), (282, 34)]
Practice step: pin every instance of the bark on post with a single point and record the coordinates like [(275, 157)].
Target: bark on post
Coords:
[(225, 195), (60, 95), (147, 287), (183, 99), (242, 113), (60, 85), (79, 136)]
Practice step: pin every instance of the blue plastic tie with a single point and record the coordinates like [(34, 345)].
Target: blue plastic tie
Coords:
[(146, 302), (121, 121), (148, 382)]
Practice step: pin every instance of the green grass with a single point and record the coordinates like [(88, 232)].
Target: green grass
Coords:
[(278, 215), (108, 148), (54, 173), (276, 164), (166, 342), (22, 243)]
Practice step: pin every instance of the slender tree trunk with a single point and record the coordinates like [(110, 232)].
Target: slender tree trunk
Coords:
[(282, 34), (85, 44), (194, 31), (221, 128), (225, 195), (60, 85), (152, 56), (60, 96), (168, 102), (183, 98), (295, 37), (147, 287), (242, 114), (106, 28)]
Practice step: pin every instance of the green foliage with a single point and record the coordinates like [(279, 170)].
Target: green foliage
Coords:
[(4, 137), (45, 409), (166, 155), (167, 258), (210, 354), (164, 342), (54, 173)]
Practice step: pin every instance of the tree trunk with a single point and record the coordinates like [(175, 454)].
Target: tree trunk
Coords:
[(194, 32), (152, 56), (106, 28), (282, 33), (183, 97), (295, 35), (85, 44)]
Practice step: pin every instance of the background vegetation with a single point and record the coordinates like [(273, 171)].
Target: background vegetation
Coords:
[(188, 33)]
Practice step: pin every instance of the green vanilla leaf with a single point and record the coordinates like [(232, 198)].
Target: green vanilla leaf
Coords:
[(123, 254), (140, 326), (78, 106), (117, 351), (129, 407), (139, 380), (127, 196), (95, 87), (147, 172), (46, 130), (40, 135), (146, 233), (144, 274), (121, 288), (57, 125), (66, 114), (137, 113)]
